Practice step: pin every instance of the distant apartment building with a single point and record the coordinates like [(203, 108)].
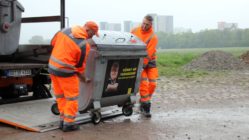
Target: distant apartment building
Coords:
[(161, 23), (103, 25), (154, 16), (110, 26), (225, 25), (165, 24), (129, 25), (114, 27), (135, 24)]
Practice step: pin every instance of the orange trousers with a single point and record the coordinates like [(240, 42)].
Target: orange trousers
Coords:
[(148, 84), (66, 91)]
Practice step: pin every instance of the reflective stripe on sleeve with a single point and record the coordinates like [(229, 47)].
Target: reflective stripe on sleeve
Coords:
[(72, 98), (148, 41)]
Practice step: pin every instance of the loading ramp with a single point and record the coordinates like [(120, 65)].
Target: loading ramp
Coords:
[(36, 115)]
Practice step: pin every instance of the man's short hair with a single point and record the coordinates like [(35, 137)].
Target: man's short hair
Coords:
[(115, 65), (149, 18)]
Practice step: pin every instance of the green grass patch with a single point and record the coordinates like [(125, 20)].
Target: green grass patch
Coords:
[(171, 61)]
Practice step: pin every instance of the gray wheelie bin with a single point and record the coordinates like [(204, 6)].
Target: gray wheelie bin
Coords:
[(113, 66), (10, 25)]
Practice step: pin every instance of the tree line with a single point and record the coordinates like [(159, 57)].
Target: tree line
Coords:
[(205, 39), (202, 39)]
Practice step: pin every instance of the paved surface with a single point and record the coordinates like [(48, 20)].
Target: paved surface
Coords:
[(214, 107)]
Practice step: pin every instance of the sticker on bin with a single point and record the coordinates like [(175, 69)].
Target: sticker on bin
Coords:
[(19, 73)]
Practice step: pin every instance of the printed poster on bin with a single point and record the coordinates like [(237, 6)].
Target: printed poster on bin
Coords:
[(120, 77)]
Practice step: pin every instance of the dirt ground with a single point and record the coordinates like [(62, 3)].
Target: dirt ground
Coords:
[(213, 107)]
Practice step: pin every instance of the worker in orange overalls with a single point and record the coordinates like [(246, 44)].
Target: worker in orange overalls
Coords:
[(150, 72), (66, 67)]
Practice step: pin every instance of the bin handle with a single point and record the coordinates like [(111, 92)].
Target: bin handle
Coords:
[(5, 27), (120, 40)]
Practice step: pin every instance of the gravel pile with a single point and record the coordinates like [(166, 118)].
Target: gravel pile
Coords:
[(245, 57), (216, 60)]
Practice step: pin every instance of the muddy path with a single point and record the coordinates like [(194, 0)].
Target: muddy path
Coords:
[(213, 107)]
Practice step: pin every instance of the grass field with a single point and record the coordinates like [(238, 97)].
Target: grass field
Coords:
[(170, 61)]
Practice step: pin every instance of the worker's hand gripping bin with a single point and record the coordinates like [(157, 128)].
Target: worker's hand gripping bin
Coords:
[(113, 69)]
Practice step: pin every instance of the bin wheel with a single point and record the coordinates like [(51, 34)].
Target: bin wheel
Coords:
[(96, 117), (54, 109), (127, 110)]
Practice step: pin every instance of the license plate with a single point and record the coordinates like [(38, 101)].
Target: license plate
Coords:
[(19, 73)]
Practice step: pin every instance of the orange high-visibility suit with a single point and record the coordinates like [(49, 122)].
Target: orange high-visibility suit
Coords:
[(150, 72), (68, 58)]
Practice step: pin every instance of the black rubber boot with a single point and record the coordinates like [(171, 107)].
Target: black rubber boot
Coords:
[(145, 109), (147, 113), (61, 124), (68, 128), (141, 107)]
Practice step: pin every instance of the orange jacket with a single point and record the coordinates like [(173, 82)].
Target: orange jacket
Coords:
[(70, 51), (150, 39)]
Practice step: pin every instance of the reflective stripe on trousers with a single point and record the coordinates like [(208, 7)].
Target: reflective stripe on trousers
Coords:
[(66, 96), (148, 84)]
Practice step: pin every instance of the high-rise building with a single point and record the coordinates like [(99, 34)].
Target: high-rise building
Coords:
[(162, 23), (114, 26), (103, 26), (154, 16), (135, 24), (165, 24), (110, 26), (127, 25)]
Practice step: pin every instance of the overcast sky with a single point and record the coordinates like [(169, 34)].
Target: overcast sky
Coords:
[(194, 14)]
